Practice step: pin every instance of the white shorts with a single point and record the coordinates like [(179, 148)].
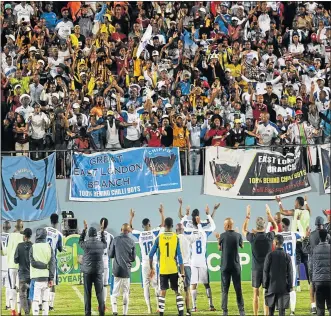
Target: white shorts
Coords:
[(4, 279), (121, 284), (41, 291), (13, 279), (146, 280), (105, 276), (199, 275)]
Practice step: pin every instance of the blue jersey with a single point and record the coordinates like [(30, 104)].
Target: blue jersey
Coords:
[(55, 239)]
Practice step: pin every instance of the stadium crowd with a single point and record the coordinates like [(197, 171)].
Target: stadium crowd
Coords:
[(111, 75)]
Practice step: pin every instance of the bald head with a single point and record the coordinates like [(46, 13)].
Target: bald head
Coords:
[(126, 229), (228, 224), (19, 225), (179, 228)]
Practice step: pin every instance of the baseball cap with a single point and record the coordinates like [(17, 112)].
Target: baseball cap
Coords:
[(141, 78), (155, 53), (318, 79), (32, 49), (86, 99), (56, 95), (311, 68), (7, 6), (17, 86), (11, 36), (41, 61), (64, 9), (202, 10), (298, 112), (284, 96), (234, 18), (227, 70), (37, 105), (327, 212), (76, 106), (299, 98), (110, 113), (319, 220), (24, 96), (168, 105), (237, 121)]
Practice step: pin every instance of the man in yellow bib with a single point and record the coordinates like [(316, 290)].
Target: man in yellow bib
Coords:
[(169, 257)]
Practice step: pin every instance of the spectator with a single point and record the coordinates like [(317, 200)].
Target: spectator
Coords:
[(321, 273), (229, 243), (20, 130), (65, 55), (92, 266), (277, 278), (22, 259)]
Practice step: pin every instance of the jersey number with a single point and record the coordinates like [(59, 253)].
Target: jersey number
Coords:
[(148, 246), (288, 248), (50, 241), (199, 247), (167, 245)]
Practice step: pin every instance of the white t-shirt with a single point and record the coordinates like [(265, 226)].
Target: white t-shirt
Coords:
[(290, 245), (264, 22), (4, 243), (299, 48), (199, 247), (267, 133), (146, 241), (133, 132), (64, 28), (54, 238), (284, 112), (109, 238), (23, 13)]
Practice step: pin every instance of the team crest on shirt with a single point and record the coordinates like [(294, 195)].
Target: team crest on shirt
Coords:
[(160, 161)]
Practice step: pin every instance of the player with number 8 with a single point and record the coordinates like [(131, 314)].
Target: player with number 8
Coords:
[(199, 269)]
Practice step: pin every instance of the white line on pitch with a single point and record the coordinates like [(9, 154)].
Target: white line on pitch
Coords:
[(80, 296)]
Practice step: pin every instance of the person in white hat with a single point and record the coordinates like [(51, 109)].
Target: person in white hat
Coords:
[(25, 109)]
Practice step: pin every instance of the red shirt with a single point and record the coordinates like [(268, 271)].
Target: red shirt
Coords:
[(258, 109), (154, 137), (216, 135)]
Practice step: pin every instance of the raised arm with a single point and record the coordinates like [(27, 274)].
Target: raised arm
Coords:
[(271, 219), (131, 218), (216, 206), (306, 204), (180, 215), (211, 221), (282, 210), (248, 216), (161, 210)]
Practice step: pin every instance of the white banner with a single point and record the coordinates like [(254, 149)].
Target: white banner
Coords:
[(324, 153), (254, 173)]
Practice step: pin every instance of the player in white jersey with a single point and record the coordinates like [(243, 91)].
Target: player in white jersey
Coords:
[(146, 240), (301, 220), (199, 269), (55, 240), (290, 244), (109, 238), (186, 240), (187, 222), (13, 240), (4, 267)]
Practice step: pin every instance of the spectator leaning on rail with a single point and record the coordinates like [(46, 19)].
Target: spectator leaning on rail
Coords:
[(195, 61)]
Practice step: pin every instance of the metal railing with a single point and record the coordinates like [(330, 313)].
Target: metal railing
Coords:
[(63, 157)]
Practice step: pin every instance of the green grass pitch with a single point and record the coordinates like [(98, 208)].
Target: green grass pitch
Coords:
[(68, 301)]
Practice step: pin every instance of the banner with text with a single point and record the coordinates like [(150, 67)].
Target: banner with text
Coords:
[(324, 153), (28, 188), (123, 174), (68, 262), (254, 174)]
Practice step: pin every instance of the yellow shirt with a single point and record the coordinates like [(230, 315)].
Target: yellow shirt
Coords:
[(168, 245), (180, 135)]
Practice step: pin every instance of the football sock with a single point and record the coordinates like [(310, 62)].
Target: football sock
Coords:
[(293, 300), (209, 295), (194, 298), (180, 304), (125, 303)]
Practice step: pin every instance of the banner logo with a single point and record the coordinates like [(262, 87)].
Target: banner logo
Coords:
[(24, 184), (160, 165), (224, 175)]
